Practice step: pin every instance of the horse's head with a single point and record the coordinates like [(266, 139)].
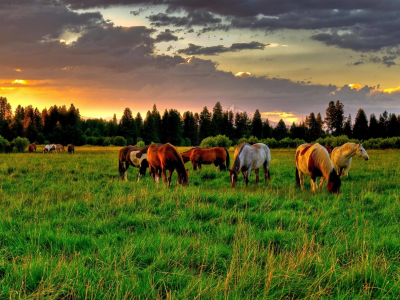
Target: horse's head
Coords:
[(334, 183), (183, 179), (233, 174), (45, 150), (361, 152)]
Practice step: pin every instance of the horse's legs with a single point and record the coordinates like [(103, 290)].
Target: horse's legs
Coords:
[(247, 176), (321, 183), (169, 177), (313, 184), (301, 176), (153, 173), (256, 171), (164, 173)]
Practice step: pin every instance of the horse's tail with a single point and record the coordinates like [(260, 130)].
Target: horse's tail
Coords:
[(228, 161), (297, 178)]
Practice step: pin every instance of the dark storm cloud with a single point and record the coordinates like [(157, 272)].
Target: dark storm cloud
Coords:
[(166, 36), (199, 18), (193, 49)]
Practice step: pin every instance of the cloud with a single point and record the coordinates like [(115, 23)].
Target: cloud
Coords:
[(243, 74), (193, 49), (166, 36), (194, 18)]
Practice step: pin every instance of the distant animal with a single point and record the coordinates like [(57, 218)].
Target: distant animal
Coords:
[(163, 158), (59, 148), (32, 148), (199, 156), (49, 148), (71, 149), (132, 156), (342, 157), (314, 160), (250, 157)]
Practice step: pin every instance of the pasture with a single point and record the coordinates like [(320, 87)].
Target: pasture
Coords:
[(70, 229)]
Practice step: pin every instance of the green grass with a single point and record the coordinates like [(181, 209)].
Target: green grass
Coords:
[(69, 229)]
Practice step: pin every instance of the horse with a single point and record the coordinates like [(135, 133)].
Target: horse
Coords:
[(163, 157), (314, 160), (60, 147), (329, 149), (248, 157), (49, 148), (134, 156), (342, 157), (71, 149), (199, 156), (32, 148)]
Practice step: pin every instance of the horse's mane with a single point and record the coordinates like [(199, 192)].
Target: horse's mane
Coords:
[(142, 150), (349, 146), (236, 162), (322, 159)]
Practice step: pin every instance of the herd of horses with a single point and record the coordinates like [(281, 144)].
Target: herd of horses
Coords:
[(313, 160), (56, 148)]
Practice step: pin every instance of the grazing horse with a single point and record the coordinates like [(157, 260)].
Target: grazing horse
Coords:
[(71, 149), (134, 156), (199, 156), (163, 157), (49, 148), (248, 157), (60, 147), (32, 148), (314, 160), (342, 157)]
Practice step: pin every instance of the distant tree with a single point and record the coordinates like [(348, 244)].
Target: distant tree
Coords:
[(189, 127), (348, 127), (205, 129), (360, 129), (16, 125), (149, 131), (383, 123), (217, 120), (330, 116), (256, 125), (335, 117), (5, 109), (373, 128), (280, 131), (127, 126), (157, 123), (139, 124), (266, 130), (242, 124), (393, 127), (175, 127), (313, 128), (320, 124)]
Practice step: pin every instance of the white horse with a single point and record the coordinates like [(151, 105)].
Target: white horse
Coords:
[(247, 158), (342, 156), (49, 148)]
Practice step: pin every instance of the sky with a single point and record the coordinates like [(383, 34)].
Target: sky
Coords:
[(285, 58)]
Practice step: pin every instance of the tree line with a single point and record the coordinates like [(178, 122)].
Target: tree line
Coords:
[(63, 125)]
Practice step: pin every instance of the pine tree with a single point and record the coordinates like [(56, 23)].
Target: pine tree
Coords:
[(383, 122), (348, 127), (189, 127), (360, 129), (157, 123), (5, 109), (312, 128), (165, 133), (280, 131), (217, 118), (139, 125), (339, 117), (16, 126), (320, 124), (257, 126), (127, 126), (266, 129), (205, 124), (373, 128), (149, 133), (393, 127), (330, 116)]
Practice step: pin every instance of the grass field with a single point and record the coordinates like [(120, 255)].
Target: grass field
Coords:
[(69, 229)]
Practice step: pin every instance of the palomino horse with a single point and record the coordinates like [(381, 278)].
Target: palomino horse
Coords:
[(342, 156), (199, 156), (134, 156), (163, 157), (49, 148), (59, 148), (247, 158), (32, 148), (314, 160), (71, 149)]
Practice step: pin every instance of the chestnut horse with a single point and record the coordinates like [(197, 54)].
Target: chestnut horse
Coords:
[(314, 160), (199, 156), (32, 148), (163, 157), (250, 157), (71, 149), (60, 147), (132, 156)]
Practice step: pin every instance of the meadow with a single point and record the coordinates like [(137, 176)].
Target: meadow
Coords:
[(70, 229)]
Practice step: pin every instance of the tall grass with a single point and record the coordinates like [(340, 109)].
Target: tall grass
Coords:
[(70, 229)]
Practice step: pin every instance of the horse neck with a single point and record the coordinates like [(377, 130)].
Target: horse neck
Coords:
[(180, 165), (349, 151)]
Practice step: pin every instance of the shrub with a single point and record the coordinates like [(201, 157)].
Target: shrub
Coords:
[(3, 143), (20, 143), (140, 144), (91, 140), (100, 141), (188, 142), (216, 141), (107, 141), (130, 141), (271, 143), (119, 141)]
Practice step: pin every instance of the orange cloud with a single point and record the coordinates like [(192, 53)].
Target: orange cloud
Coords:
[(243, 74), (355, 86), (277, 115)]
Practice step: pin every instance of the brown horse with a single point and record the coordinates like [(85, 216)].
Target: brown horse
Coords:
[(59, 148), (163, 157), (199, 156), (32, 148), (132, 156), (314, 160), (71, 149)]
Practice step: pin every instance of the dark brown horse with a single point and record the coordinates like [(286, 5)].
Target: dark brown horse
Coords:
[(32, 148), (71, 149), (163, 157), (199, 156), (132, 156)]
